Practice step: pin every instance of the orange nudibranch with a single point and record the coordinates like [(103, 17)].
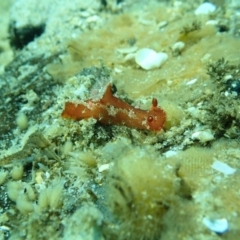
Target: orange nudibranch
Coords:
[(112, 110)]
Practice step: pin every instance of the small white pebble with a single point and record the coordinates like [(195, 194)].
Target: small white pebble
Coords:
[(228, 77), (223, 168), (177, 4), (205, 8), (93, 18), (192, 110), (191, 82), (178, 46), (117, 70), (5, 228), (216, 225), (47, 175), (104, 167), (170, 153), (84, 14), (206, 58), (128, 57), (212, 22), (169, 166), (226, 93), (149, 59), (127, 50), (162, 24), (146, 21), (203, 136), (169, 82)]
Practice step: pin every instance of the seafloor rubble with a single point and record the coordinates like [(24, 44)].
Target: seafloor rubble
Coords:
[(66, 179)]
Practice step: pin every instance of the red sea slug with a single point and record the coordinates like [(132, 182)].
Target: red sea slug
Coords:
[(112, 110)]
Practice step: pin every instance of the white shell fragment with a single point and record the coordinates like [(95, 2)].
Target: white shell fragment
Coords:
[(212, 22), (178, 46), (5, 228), (170, 153), (223, 168), (191, 82), (129, 56), (104, 167), (117, 70), (203, 136), (149, 59), (205, 8), (127, 50), (162, 24), (216, 225)]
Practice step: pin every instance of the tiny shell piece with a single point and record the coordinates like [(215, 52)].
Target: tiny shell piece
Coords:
[(212, 22), (191, 82), (178, 46), (104, 167), (127, 50), (5, 228), (149, 59), (162, 24), (203, 136), (216, 225), (205, 8), (170, 153), (223, 168), (117, 70)]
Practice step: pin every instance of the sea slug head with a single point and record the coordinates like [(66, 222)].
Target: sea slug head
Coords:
[(156, 117)]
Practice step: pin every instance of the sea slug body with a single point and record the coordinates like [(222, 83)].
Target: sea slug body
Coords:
[(112, 110)]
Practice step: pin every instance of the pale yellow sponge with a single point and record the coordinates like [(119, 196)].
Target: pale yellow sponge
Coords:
[(141, 187), (174, 114)]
